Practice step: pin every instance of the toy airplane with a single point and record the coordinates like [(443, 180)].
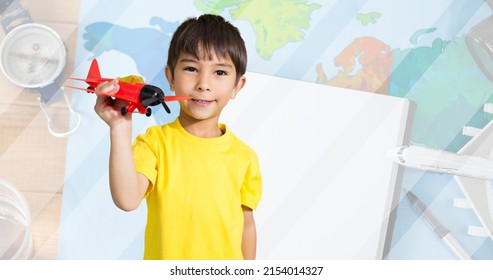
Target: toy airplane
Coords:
[(132, 89), (471, 166)]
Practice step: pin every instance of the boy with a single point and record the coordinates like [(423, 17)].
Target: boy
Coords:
[(200, 181)]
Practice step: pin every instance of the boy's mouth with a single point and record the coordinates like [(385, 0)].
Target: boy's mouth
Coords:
[(202, 101)]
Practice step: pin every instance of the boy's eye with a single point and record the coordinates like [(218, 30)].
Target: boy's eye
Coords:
[(190, 69), (221, 73)]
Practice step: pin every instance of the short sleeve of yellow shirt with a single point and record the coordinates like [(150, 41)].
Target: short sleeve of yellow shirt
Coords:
[(197, 188)]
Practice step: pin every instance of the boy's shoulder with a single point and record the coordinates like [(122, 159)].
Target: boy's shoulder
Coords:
[(240, 144)]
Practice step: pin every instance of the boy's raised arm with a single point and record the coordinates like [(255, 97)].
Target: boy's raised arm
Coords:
[(127, 185)]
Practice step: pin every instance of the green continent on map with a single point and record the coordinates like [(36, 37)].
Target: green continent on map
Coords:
[(275, 22), (447, 86), (369, 17), (419, 33)]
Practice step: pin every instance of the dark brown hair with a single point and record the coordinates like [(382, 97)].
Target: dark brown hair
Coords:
[(215, 35)]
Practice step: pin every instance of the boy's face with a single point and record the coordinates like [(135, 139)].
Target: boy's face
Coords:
[(210, 83)]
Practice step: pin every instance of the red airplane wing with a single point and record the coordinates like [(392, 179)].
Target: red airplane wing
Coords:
[(91, 90), (176, 98), (91, 81)]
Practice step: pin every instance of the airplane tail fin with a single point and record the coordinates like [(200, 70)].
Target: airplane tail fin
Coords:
[(94, 73)]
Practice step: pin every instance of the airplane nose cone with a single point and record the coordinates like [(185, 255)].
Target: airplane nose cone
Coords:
[(395, 155)]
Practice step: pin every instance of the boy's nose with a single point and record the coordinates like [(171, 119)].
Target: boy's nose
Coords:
[(203, 88), (203, 83)]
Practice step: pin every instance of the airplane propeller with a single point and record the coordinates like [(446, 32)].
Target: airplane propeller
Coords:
[(166, 108), (152, 95)]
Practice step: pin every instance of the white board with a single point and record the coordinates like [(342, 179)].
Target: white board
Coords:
[(329, 189)]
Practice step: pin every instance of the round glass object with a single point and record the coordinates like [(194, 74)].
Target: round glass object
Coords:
[(15, 224), (32, 55)]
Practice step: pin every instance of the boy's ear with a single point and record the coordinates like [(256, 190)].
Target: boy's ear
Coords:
[(239, 85), (169, 77)]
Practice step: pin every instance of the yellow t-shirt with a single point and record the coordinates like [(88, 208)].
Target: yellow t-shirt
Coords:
[(197, 187)]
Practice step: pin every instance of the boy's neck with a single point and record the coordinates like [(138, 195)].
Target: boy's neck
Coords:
[(201, 128)]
